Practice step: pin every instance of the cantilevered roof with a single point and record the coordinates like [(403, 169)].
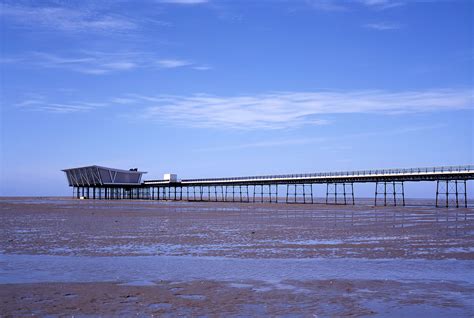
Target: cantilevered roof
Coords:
[(99, 176)]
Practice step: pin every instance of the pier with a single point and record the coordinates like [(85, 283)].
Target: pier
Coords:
[(97, 182)]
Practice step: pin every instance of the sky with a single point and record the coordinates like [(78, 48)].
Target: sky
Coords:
[(215, 88)]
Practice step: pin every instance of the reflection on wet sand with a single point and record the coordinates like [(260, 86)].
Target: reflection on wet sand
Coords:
[(67, 227)]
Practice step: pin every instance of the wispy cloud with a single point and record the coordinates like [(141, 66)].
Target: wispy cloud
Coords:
[(60, 108), (331, 5), (331, 142), (265, 144), (122, 100), (64, 18), (99, 63), (176, 63), (381, 4), (171, 63), (40, 103), (272, 110), (87, 62), (383, 26), (291, 109), (185, 2), (9, 60), (202, 68), (327, 5)]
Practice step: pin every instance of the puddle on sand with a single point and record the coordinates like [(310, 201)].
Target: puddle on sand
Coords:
[(192, 297), (47, 268), (388, 309), (240, 285), (139, 283), (304, 242), (158, 306)]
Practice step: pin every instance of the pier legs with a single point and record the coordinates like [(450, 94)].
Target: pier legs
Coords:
[(451, 193), (267, 193), (293, 195), (340, 193), (393, 193)]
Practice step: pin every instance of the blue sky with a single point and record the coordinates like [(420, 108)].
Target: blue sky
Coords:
[(227, 88)]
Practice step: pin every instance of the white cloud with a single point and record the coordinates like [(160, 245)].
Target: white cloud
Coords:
[(184, 1), (119, 65), (86, 62), (32, 101), (272, 110), (40, 103), (202, 68), (64, 108), (173, 63), (63, 18), (381, 4), (290, 109), (383, 26), (92, 71), (55, 107), (99, 63), (124, 101), (327, 5), (332, 5)]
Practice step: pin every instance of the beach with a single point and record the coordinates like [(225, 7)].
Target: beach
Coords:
[(62, 256)]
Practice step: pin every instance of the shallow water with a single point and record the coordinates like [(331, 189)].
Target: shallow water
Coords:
[(46, 268)]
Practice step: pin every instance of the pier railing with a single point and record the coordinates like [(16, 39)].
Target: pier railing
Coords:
[(357, 173)]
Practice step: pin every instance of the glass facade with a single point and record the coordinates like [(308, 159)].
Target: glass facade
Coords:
[(98, 176)]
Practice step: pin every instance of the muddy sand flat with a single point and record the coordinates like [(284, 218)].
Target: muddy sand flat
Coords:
[(70, 257)]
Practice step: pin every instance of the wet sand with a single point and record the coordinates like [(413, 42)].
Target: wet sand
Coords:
[(250, 298), (234, 259)]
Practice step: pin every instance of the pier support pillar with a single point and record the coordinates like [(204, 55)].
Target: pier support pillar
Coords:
[(451, 193), (267, 192), (305, 196), (393, 193), (340, 193), (276, 193)]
